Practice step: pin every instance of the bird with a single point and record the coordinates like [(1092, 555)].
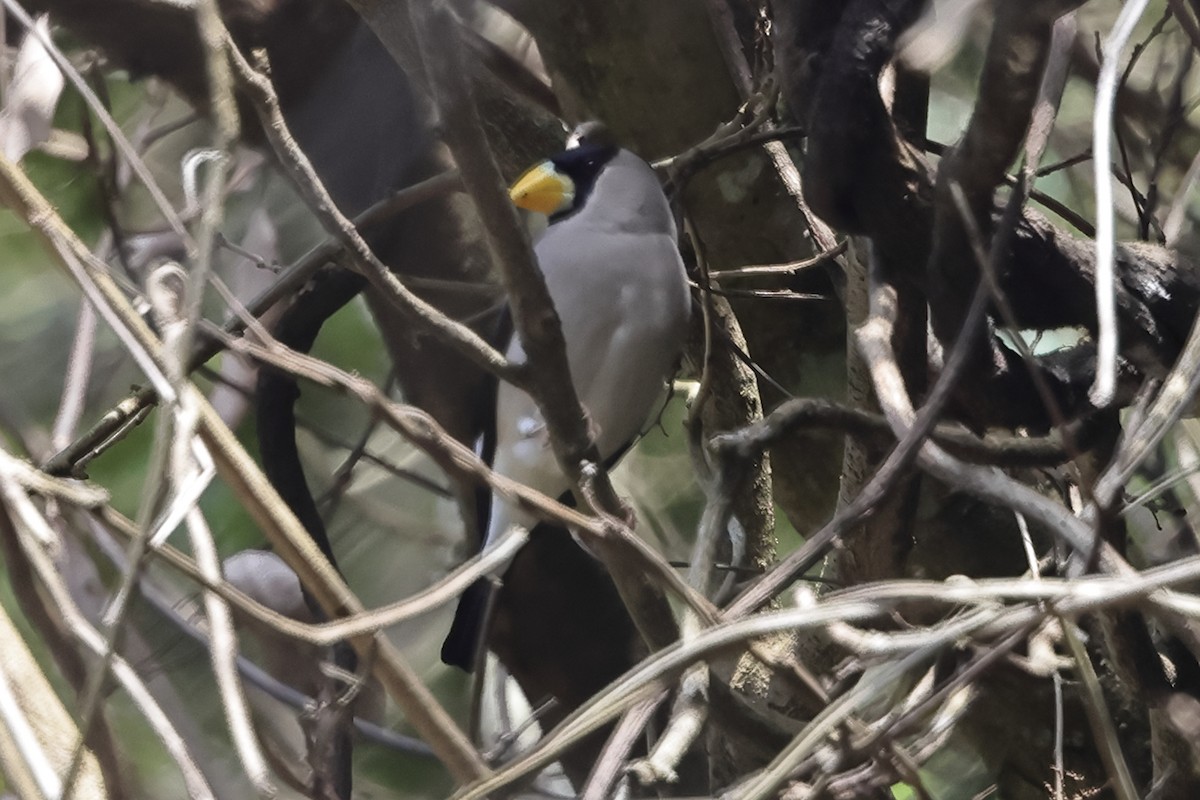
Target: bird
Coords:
[(610, 258)]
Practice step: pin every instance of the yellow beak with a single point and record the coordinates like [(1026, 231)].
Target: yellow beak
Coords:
[(543, 189)]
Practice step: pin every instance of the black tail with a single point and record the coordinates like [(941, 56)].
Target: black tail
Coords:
[(326, 293), (465, 639), (463, 642)]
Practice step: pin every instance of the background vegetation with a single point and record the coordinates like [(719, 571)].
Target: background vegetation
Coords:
[(900, 537)]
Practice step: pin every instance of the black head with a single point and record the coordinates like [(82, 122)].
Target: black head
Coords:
[(582, 164)]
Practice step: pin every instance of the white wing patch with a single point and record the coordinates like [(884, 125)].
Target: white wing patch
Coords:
[(531, 427)]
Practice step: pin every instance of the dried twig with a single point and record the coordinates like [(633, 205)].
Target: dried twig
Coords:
[(457, 459), (72, 459), (326, 633), (624, 737), (299, 169), (1104, 387), (31, 520), (79, 366), (120, 141), (244, 477), (804, 413), (1103, 727), (546, 374)]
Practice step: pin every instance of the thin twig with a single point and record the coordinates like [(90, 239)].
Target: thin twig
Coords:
[(759, 294), (223, 650), (616, 750), (300, 171), (1104, 388), (253, 674), (783, 270), (803, 413), (223, 641), (79, 368), (105, 431), (1103, 727), (31, 520), (412, 476), (244, 477), (326, 633), (120, 141)]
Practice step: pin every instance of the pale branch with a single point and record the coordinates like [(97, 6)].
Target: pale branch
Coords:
[(26, 535), (997, 608), (375, 620), (223, 650), (862, 177), (909, 442), (461, 461), (1104, 388), (801, 413), (1009, 90), (72, 459), (108, 521), (236, 467), (546, 374), (299, 169)]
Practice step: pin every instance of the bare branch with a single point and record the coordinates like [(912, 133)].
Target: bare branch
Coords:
[(305, 178), (248, 482), (1104, 388), (31, 520), (122, 143), (72, 459)]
